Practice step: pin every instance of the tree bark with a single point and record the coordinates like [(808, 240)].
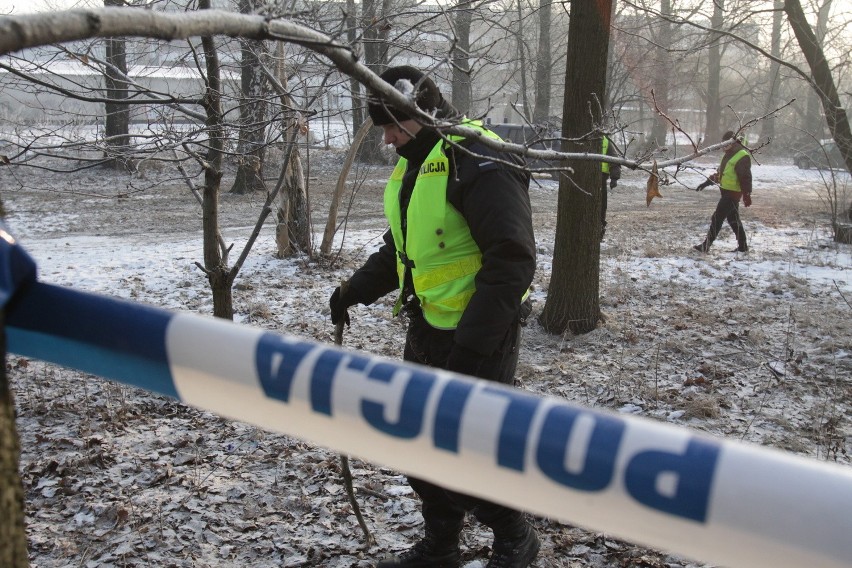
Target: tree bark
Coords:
[(252, 131), (215, 260), (835, 115), (331, 222), (712, 129), (462, 95), (814, 124), (117, 121), (293, 228), (662, 77), (13, 551), (573, 301), (768, 126), (354, 85), (522, 63), (375, 58), (541, 112)]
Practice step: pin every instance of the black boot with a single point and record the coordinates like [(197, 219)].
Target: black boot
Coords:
[(433, 551), (516, 543)]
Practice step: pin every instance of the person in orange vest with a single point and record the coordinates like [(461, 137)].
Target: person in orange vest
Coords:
[(460, 254), (734, 179), (609, 173)]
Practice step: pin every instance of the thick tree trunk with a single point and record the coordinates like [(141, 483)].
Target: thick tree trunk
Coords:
[(293, 231), (541, 112), (815, 125), (293, 228), (713, 130), (462, 94), (376, 58), (117, 121), (835, 114), (768, 126), (13, 550), (252, 132), (662, 79), (573, 296)]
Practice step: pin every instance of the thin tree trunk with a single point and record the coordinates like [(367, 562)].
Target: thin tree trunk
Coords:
[(573, 301), (13, 550), (522, 63), (354, 85), (462, 96), (331, 223), (215, 260), (541, 112)]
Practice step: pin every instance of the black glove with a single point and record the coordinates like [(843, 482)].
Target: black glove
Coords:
[(338, 304), (707, 183), (613, 183), (465, 361)]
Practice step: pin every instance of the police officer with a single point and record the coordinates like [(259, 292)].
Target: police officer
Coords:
[(460, 251), (609, 173), (734, 179)]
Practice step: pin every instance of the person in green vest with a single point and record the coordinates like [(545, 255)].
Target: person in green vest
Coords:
[(610, 173), (460, 253), (734, 179)]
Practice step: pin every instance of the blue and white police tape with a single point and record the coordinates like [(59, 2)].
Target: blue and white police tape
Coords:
[(644, 481)]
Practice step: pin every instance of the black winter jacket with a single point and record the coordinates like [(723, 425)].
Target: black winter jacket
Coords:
[(494, 200)]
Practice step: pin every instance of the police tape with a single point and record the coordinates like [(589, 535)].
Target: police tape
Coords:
[(644, 481)]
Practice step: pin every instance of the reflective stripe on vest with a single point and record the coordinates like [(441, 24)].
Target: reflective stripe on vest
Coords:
[(729, 179), (605, 165), (445, 257)]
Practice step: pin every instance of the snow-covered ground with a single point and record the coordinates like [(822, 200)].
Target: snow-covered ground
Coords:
[(754, 346)]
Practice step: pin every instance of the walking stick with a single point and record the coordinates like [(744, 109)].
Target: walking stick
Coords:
[(344, 459)]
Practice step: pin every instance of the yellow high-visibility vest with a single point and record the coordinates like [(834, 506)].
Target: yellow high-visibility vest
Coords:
[(728, 178)]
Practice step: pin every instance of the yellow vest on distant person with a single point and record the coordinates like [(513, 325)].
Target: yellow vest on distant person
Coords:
[(728, 180), (604, 150)]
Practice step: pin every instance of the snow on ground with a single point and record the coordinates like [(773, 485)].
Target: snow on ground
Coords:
[(753, 347)]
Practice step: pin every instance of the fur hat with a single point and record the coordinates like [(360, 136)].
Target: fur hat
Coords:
[(404, 79)]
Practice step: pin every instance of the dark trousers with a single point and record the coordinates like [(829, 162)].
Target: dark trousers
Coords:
[(727, 209), (444, 510)]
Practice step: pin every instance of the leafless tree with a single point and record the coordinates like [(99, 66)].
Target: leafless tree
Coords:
[(543, 64), (573, 301), (252, 109), (461, 57), (117, 127), (835, 115), (772, 90)]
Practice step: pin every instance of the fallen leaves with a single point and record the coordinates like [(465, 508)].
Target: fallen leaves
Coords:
[(653, 186)]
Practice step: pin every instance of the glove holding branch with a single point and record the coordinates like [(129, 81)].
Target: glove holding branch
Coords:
[(340, 300), (714, 178)]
